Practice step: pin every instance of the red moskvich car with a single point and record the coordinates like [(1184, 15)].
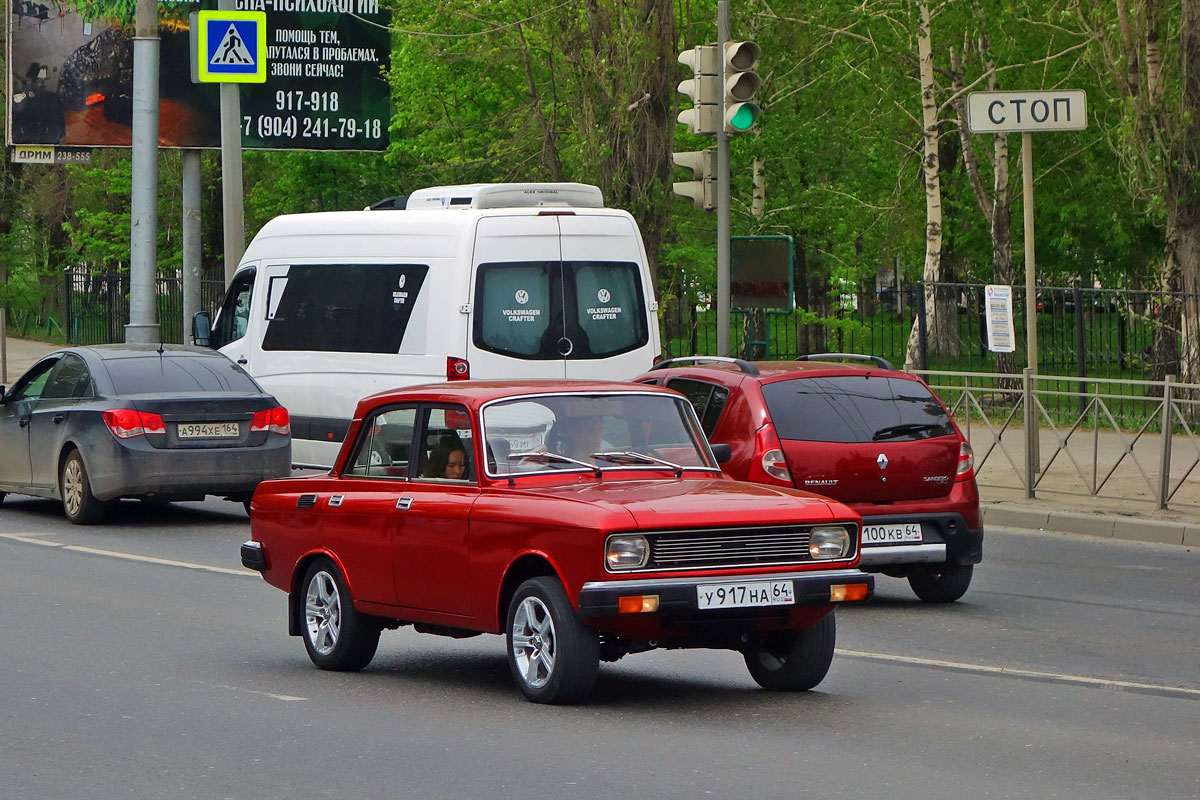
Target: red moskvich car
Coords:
[(584, 520)]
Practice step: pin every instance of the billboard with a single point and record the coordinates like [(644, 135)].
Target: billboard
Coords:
[(760, 272), (70, 80)]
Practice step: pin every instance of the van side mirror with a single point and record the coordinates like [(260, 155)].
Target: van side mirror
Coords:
[(202, 329), (722, 452), (3, 398)]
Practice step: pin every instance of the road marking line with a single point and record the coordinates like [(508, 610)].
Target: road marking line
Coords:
[(1057, 677), (27, 539), (288, 697), (166, 562)]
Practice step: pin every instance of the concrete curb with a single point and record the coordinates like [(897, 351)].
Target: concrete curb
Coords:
[(1108, 526)]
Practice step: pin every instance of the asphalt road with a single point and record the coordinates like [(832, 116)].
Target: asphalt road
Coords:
[(1071, 669)]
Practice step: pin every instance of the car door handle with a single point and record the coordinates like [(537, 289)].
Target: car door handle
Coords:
[(403, 503), (23, 421), (242, 360), (59, 418)]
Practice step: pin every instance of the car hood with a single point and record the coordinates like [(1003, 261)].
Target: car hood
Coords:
[(717, 502)]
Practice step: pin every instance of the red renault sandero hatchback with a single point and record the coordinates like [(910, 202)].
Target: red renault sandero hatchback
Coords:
[(871, 436)]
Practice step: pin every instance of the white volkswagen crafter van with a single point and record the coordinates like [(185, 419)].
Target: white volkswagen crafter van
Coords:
[(483, 281)]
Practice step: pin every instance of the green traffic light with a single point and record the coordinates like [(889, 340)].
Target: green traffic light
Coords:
[(743, 116)]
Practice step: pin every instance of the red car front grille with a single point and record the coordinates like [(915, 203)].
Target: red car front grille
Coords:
[(730, 547)]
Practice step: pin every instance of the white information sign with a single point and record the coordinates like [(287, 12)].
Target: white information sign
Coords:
[(998, 313), (1017, 112)]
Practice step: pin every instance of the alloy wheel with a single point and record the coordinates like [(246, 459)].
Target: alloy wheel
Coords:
[(533, 642), (323, 613)]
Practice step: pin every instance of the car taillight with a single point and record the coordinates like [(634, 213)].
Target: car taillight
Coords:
[(271, 420), (125, 423), (457, 369), (768, 455), (966, 462)]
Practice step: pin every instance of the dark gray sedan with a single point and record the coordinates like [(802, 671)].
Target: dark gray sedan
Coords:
[(88, 425)]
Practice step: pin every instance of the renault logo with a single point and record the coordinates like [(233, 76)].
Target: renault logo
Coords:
[(882, 461)]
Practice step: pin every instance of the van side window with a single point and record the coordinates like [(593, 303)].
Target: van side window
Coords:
[(609, 309), (384, 445), (235, 311), (346, 308), (517, 313)]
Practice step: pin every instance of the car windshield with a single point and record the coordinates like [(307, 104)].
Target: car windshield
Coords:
[(549, 433), (855, 408), (140, 374)]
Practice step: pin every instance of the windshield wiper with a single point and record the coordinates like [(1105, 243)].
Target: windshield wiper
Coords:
[(546, 455), (615, 455), (892, 431)]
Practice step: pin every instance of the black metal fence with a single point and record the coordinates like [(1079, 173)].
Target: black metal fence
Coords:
[(1100, 333), (96, 305)]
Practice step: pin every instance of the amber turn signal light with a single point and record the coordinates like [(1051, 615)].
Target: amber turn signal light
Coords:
[(638, 604), (847, 592)]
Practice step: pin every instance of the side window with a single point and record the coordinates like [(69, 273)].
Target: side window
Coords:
[(342, 308), (385, 444), (68, 379), (235, 311), (31, 386), (447, 443), (516, 313), (708, 400), (608, 315)]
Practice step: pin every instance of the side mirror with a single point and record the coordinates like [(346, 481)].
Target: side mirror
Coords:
[(3, 398), (202, 329), (723, 452)]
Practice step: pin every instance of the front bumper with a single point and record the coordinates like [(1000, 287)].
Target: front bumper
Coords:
[(678, 596), (945, 539)]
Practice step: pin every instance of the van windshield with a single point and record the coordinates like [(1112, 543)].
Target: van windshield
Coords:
[(569, 310)]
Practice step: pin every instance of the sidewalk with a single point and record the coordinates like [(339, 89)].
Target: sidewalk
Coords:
[(1063, 502)]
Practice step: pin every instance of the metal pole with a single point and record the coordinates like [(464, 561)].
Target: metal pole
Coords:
[(143, 325), (1030, 434), (232, 209), (4, 345), (1164, 470), (1030, 282), (1080, 349), (191, 239), (722, 187)]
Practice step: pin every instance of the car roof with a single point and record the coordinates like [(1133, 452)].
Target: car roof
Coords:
[(476, 393), (110, 351), (770, 371)]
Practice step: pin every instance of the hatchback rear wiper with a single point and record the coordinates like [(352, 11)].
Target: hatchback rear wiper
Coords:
[(892, 431), (617, 455)]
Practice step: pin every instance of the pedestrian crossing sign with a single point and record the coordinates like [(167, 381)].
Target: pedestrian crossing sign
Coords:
[(232, 47)]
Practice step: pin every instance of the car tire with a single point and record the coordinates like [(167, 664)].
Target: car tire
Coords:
[(553, 656), (794, 661), (941, 583), (79, 504), (336, 636)]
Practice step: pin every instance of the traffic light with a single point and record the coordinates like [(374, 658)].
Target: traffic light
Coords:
[(703, 117), (741, 82), (702, 190)]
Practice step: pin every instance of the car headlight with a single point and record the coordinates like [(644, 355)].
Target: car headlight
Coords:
[(825, 543), (626, 552)]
